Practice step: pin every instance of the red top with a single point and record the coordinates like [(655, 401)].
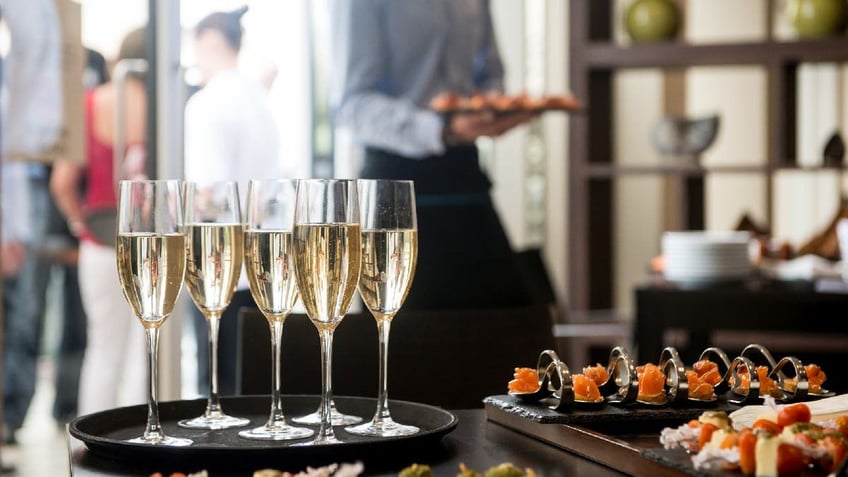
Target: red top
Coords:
[(100, 184)]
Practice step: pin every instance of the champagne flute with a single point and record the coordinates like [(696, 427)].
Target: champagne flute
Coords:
[(327, 252), (151, 264), (389, 256), (270, 271), (214, 249)]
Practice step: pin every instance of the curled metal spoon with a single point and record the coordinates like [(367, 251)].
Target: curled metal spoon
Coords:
[(750, 395), (543, 368), (802, 385), (622, 386), (565, 398), (776, 372), (723, 362), (753, 350), (555, 384)]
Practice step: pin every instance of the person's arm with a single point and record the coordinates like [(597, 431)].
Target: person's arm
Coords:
[(65, 188), (376, 119), (382, 121)]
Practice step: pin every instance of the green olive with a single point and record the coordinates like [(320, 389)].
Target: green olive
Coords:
[(416, 470), (504, 470)]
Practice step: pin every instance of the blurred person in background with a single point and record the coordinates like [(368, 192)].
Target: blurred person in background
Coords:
[(72, 341), (390, 58), (15, 236), (113, 372), (31, 123), (230, 134), (55, 253)]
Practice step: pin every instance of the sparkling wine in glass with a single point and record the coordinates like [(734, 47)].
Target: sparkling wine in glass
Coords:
[(214, 250), (327, 248), (151, 264), (269, 260), (389, 256)]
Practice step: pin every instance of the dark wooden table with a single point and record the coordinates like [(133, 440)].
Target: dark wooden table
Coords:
[(476, 442), (811, 319)]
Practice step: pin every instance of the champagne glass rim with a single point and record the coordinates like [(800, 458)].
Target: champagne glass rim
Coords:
[(150, 181), (210, 182), (273, 181), (388, 181), (326, 181)]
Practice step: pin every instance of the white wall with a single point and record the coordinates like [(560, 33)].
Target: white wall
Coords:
[(507, 167)]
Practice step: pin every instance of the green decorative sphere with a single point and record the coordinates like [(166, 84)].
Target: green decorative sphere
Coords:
[(817, 18), (652, 20)]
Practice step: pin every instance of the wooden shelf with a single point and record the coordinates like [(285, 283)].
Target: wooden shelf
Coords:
[(603, 55), (801, 168), (614, 170), (594, 60)]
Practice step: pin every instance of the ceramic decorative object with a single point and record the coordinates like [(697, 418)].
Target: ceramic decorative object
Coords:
[(652, 20), (817, 18), (684, 137)]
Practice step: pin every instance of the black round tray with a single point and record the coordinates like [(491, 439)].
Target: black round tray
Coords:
[(105, 433)]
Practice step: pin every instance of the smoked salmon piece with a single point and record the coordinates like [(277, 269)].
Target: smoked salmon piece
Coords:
[(707, 371), (698, 387), (651, 383), (768, 386), (585, 388), (596, 373), (815, 377), (526, 380)]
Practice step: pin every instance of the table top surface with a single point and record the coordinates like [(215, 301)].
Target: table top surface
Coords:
[(656, 284), (476, 442)]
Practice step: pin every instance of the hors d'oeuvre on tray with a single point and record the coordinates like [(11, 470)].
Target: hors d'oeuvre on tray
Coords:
[(449, 102), (769, 440)]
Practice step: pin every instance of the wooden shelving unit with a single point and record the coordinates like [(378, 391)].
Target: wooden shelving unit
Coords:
[(594, 59)]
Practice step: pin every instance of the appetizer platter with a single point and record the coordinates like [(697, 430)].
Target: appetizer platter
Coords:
[(616, 413), (712, 380), (501, 103), (783, 440)]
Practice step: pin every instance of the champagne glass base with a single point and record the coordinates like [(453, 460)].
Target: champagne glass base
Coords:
[(277, 433), (336, 418), (162, 441), (214, 422), (383, 428), (320, 441)]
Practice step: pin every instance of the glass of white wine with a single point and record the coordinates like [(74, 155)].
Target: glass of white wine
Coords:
[(389, 256), (269, 260), (151, 264), (327, 251), (214, 250)]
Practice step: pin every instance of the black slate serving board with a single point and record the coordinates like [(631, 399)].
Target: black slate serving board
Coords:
[(604, 416)]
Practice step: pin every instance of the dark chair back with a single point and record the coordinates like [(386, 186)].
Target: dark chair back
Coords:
[(451, 359)]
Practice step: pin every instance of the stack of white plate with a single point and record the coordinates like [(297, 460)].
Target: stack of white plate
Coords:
[(706, 256)]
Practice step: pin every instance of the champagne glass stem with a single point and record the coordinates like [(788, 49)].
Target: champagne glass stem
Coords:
[(213, 405), (153, 431), (384, 326), (325, 432), (276, 417)]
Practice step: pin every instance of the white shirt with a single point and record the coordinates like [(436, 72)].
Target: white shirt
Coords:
[(230, 134), (32, 115)]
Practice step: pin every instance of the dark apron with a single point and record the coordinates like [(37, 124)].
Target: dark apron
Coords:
[(464, 258)]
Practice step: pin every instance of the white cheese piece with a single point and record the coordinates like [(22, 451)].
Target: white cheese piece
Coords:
[(716, 439), (765, 455)]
